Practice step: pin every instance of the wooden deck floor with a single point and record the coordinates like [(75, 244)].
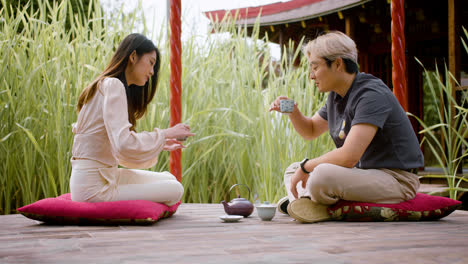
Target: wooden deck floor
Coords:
[(196, 235)]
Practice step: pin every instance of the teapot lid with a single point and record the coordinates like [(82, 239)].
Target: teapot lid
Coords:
[(239, 199)]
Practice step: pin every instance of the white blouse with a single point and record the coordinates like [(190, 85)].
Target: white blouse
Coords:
[(102, 131)]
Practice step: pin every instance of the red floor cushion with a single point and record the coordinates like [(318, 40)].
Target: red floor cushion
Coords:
[(423, 207), (63, 211)]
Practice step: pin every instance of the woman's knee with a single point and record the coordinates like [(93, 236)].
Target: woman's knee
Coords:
[(169, 176), (177, 190)]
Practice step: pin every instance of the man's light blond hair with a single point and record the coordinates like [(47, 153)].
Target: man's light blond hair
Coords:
[(331, 46)]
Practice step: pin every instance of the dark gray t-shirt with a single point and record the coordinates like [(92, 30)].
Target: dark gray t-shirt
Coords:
[(370, 101)]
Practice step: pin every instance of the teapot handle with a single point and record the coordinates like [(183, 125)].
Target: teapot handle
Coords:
[(232, 187)]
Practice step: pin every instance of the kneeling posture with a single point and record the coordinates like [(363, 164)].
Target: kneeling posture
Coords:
[(105, 135)]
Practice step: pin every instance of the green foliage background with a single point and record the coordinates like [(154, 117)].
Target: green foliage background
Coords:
[(80, 9), (227, 88)]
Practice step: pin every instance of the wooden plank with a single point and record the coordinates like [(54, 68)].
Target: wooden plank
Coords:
[(196, 235)]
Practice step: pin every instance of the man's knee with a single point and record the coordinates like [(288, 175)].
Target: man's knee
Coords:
[(322, 183), (322, 176), (291, 169)]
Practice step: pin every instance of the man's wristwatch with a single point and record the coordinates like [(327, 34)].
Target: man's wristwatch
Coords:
[(302, 165)]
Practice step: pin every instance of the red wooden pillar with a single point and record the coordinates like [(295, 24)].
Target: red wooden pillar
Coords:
[(175, 82), (398, 53)]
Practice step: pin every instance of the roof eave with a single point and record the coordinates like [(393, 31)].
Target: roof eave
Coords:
[(314, 10)]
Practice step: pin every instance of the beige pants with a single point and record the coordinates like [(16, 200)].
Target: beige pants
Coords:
[(328, 183), (92, 181)]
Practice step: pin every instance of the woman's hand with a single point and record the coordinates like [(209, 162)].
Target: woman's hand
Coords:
[(275, 105), (172, 144), (179, 132)]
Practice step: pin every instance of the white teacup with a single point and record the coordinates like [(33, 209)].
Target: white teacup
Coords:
[(266, 211), (286, 106)]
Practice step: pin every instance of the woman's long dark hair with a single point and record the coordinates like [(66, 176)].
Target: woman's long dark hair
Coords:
[(138, 97)]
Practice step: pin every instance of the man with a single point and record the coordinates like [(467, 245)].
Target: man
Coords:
[(377, 153)]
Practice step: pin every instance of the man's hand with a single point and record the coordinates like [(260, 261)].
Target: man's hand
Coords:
[(275, 105), (298, 176)]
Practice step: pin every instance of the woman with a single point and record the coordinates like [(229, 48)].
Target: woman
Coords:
[(377, 152), (105, 133)]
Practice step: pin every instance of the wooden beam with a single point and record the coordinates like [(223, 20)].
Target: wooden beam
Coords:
[(349, 26), (281, 41), (453, 43), (454, 53)]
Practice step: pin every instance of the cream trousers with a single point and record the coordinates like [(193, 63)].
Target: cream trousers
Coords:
[(92, 181), (328, 183)]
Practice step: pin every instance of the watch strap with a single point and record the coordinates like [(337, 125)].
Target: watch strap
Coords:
[(302, 166)]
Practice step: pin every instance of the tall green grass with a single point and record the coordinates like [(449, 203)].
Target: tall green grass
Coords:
[(450, 149), (227, 90)]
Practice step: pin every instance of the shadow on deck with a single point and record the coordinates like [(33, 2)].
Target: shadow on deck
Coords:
[(195, 234)]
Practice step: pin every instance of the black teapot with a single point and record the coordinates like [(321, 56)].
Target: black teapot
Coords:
[(238, 206)]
